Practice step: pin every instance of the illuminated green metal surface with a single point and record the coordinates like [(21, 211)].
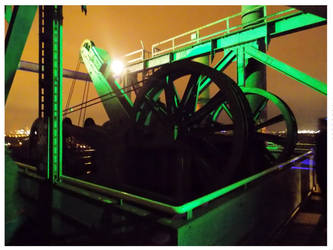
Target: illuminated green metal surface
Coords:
[(278, 25), (56, 117), (97, 62), (8, 13), (295, 23), (240, 66), (220, 66), (287, 70), (16, 36)]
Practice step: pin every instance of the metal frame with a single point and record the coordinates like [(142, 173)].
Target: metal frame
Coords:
[(287, 70), (244, 42), (186, 208), (50, 85), (240, 45)]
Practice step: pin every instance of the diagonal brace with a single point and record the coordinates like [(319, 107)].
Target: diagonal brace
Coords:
[(16, 36), (220, 66), (8, 13), (284, 68)]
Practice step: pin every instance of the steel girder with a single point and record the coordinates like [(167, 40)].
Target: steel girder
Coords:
[(287, 70), (20, 23), (50, 85)]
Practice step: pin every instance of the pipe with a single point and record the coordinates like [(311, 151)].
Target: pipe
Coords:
[(255, 72)]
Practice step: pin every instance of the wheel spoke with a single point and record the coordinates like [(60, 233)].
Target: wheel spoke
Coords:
[(190, 96), (269, 154), (171, 96), (211, 105), (259, 109), (274, 120), (157, 108), (271, 138), (220, 109)]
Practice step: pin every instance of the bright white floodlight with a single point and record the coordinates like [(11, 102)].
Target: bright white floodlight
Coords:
[(117, 67)]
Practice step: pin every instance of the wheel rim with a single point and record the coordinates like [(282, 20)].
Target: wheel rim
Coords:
[(219, 139), (279, 116)]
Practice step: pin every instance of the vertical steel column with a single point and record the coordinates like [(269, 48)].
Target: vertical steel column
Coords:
[(255, 72), (42, 91), (50, 84), (240, 66)]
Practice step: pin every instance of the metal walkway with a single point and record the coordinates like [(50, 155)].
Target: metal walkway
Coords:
[(307, 227)]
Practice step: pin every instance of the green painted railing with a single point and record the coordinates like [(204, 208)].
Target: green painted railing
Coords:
[(161, 206), (194, 36), (189, 206)]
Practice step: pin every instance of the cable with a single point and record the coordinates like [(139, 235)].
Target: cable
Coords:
[(72, 86), (83, 96), (85, 100), (79, 106)]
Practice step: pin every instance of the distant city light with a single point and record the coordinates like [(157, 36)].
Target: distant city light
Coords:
[(306, 131), (19, 133)]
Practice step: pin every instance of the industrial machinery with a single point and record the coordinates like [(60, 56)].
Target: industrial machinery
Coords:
[(178, 148), (170, 148)]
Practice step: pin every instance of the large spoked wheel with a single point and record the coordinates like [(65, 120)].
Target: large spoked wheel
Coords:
[(209, 146), (277, 128)]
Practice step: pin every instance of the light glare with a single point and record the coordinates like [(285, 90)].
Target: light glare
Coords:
[(117, 67)]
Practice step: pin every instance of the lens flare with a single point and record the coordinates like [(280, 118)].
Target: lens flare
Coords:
[(117, 67)]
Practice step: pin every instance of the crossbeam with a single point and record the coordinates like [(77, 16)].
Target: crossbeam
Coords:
[(34, 67), (20, 23), (274, 28), (287, 70)]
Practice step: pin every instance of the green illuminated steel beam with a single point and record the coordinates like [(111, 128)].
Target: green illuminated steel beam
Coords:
[(241, 66), (287, 70), (51, 83), (97, 62), (228, 57), (56, 118), (295, 23), (8, 13), (16, 36), (277, 27)]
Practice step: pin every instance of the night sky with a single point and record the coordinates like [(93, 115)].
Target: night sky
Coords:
[(119, 29)]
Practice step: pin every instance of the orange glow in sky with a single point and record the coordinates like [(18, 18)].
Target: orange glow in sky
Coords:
[(119, 29)]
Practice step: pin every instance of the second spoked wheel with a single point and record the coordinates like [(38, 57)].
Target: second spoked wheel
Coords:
[(205, 148), (275, 125)]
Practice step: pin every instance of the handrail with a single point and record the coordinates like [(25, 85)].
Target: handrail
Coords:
[(25, 166), (226, 31), (189, 206), (181, 209), (142, 57), (196, 33)]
